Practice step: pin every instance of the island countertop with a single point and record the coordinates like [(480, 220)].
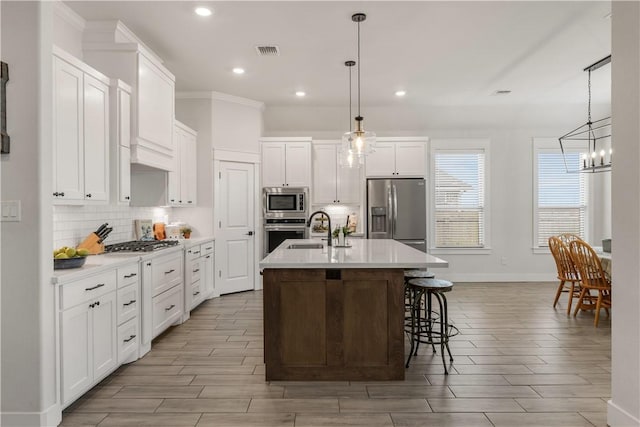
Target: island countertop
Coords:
[(363, 253)]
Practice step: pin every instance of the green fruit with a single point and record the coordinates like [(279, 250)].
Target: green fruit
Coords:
[(71, 252), (82, 252), (62, 255)]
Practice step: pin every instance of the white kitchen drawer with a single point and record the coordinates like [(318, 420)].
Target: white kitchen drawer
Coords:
[(196, 270), (83, 290), (128, 275), (166, 272), (167, 308), (206, 248), (193, 253), (197, 294), (128, 339), (128, 303)]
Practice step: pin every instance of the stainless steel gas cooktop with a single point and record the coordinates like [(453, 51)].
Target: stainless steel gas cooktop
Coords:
[(140, 246)]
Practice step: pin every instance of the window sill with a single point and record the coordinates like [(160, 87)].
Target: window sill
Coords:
[(460, 251), (542, 251)]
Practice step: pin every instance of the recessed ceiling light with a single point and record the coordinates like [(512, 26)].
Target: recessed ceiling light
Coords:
[(203, 11), (300, 94), (238, 70), (401, 93)]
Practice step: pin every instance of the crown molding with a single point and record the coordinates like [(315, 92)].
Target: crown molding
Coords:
[(237, 100), (69, 16), (194, 95)]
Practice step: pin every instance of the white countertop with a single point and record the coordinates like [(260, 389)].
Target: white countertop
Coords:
[(98, 263), (364, 253)]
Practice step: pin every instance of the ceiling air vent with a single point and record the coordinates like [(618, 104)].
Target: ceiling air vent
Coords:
[(268, 50)]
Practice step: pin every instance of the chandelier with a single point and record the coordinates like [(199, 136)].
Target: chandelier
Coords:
[(594, 137), (358, 143)]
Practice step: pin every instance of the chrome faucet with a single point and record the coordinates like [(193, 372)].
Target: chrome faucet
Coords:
[(328, 217)]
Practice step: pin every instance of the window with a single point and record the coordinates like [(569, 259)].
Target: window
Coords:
[(459, 196), (561, 197)]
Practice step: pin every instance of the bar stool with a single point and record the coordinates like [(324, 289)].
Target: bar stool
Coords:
[(422, 327), (408, 303)]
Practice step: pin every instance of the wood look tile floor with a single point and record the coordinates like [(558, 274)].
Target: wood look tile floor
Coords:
[(518, 362)]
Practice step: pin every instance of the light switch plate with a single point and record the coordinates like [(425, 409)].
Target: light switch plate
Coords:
[(10, 211)]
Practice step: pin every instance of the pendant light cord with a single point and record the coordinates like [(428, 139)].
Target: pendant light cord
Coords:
[(350, 101), (359, 69)]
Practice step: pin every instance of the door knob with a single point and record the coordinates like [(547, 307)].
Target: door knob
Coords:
[(250, 233)]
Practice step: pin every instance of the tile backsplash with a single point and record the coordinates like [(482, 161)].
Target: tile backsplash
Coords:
[(339, 214), (71, 224)]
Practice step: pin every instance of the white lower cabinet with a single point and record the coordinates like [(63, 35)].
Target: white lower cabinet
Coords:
[(128, 340), (167, 309), (199, 279), (88, 344)]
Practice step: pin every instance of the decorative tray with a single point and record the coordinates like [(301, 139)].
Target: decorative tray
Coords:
[(62, 263)]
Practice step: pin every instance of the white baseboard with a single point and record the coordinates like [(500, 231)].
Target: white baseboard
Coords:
[(618, 417), (495, 277), (52, 416)]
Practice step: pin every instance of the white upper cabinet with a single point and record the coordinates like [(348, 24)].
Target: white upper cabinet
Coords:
[(116, 51), (81, 132), (120, 142), (184, 180), (331, 182), (286, 162), (401, 157)]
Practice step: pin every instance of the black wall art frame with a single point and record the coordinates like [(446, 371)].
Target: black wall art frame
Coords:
[(5, 146)]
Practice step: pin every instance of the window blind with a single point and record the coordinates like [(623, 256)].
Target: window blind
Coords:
[(459, 198), (562, 196)]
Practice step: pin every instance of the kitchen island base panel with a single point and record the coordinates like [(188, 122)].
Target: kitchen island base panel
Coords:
[(334, 324)]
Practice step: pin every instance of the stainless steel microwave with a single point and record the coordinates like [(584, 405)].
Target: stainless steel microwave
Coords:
[(281, 202)]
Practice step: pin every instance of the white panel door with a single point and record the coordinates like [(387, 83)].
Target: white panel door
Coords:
[(324, 173), (298, 164), (96, 139), (235, 242), (273, 164), (411, 159), (104, 332), (68, 145), (75, 349), (382, 161)]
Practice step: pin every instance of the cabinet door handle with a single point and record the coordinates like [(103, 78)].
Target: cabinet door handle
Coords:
[(89, 195), (196, 294), (170, 307), (56, 194), (173, 200), (61, 194), (196, 252), (129, 303), (129, 339), (97, 303), (99, 285), (127, 198), (129, 276), (148, 264), (189, 201), (91, 305), (209, 248), (196, 270), (169, 272), (208, 256)]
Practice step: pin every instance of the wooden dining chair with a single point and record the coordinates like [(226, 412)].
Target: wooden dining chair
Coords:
[(568, 238), (592, 277), (567, 273)]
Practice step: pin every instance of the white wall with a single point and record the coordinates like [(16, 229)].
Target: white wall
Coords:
[(510, 131), (624, 406), (67, 29), (237, 124), (28, 347)]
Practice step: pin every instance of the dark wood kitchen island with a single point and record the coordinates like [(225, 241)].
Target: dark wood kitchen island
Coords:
[(337, 313)]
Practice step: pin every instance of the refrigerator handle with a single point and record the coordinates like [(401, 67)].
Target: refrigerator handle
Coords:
[(395, 208), (390, 214)]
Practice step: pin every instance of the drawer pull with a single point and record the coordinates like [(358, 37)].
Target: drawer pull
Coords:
[(129, 303), (196, 294), (196, 252), (129, 276), (169, 272), (129, 339), (170, 307), (208, 256), (209, 248), (196, 270), (99, 285)]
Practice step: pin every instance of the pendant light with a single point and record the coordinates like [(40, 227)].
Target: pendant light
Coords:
[(358, 142), (346, 156), (595, 134)]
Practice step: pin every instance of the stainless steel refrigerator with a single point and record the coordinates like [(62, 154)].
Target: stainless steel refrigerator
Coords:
[(397, 209)]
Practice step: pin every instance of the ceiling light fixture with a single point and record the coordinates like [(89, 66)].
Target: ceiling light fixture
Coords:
[(359, 142), (401, 93), (238, 70), (300, 94), (203, 11), (596, 134)]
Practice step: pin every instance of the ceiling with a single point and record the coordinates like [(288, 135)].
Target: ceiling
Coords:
[(441, 53)]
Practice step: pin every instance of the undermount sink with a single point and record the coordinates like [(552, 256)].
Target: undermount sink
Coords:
[(305, 246)]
